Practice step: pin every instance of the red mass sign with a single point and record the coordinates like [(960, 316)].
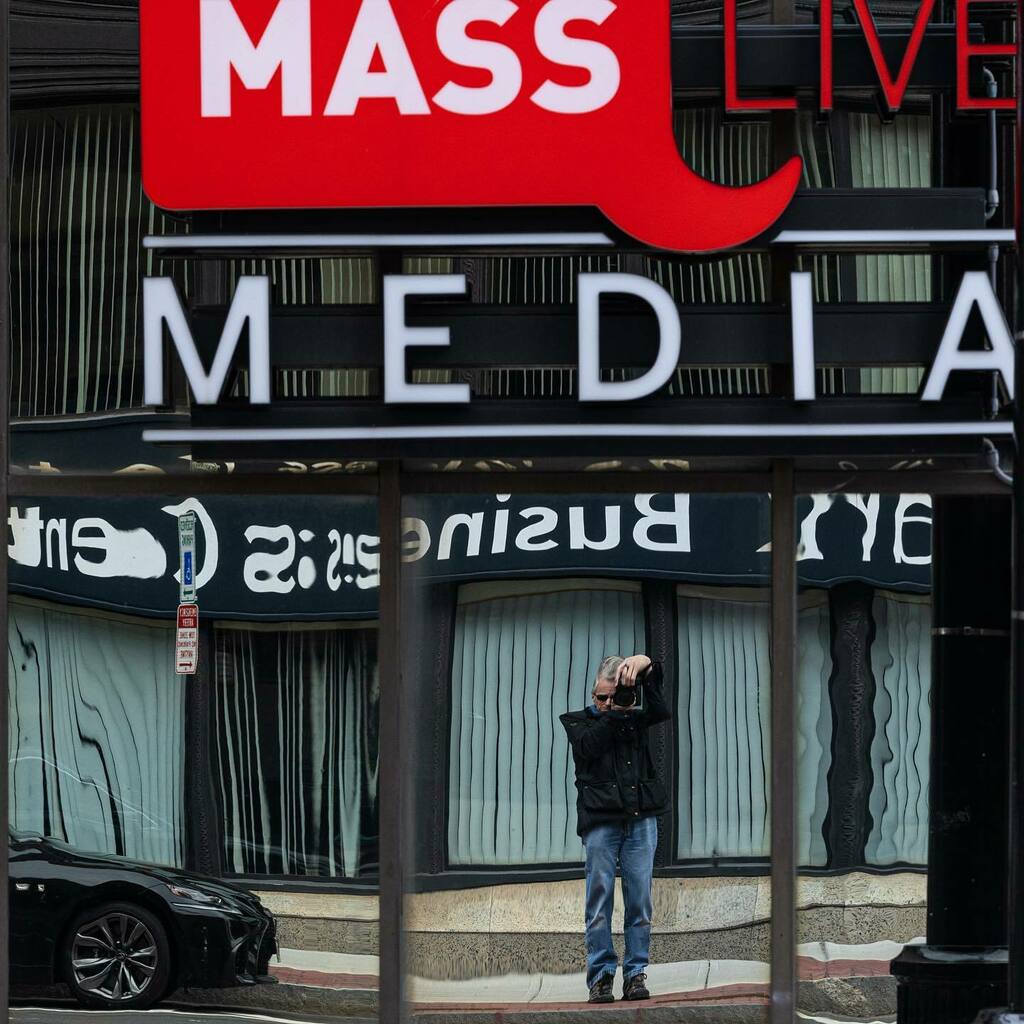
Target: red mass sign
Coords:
[(291, 104), (264, 104)]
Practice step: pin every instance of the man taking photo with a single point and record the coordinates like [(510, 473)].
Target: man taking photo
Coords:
[(619, 798)]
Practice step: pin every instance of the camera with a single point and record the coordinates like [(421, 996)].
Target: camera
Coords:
[(625, 696)]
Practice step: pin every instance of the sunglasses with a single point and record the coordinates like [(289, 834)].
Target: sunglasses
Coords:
[(603, 698)]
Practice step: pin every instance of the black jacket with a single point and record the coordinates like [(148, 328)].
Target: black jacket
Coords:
[(615, 777)]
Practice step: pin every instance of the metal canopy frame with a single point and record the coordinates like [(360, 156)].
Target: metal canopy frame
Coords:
[(391, 485)]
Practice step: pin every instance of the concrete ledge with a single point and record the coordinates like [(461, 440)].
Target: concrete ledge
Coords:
[(680, 904), (328, 935), (454, 956)]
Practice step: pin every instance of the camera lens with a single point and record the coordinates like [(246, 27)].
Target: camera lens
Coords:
[(625, 696)]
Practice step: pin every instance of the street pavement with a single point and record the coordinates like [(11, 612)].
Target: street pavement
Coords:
[(59, 1014)]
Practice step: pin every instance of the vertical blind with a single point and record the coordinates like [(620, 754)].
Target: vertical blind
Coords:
[(295, 726), (894, 155), (96, 732), (724, 724), (78, 217), (901, 663), (813, 726), (525, 653)]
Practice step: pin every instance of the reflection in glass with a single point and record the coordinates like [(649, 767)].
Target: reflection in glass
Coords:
[(235, 810), (96, 732), (863, 745), (520, 661), (511, 604), (295, 718)]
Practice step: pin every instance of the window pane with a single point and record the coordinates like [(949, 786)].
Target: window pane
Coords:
[(901, 662), (254, 777), (864, 737), (894, 155), (525, 653), (511, 603), (725, 703), (96, 732), (295, 718), (78, 217)]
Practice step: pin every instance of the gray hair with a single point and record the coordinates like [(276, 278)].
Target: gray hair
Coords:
[(608, 668)]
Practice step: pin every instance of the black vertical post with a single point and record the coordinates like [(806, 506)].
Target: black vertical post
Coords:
[(783, 759), (1015, 885), (961, 968), (1014, 1011), (970, 677), (5, 348), (391, 777), (1015, 803), (203, 840)]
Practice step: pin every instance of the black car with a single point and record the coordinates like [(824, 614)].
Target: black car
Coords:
[(123, 934)]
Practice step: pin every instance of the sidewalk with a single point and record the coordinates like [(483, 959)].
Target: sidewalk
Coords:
[(833, 978)]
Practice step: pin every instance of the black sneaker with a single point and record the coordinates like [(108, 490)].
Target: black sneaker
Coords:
[(601, 990), (634, 988)]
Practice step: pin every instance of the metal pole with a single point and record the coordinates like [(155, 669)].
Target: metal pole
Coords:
[(783, 751), (392, 769), (5, 335), (1015, 892), (1016, 809)]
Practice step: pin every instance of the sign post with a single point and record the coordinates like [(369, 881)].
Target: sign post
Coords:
[(186, 640), (187, 558), (186, 636)]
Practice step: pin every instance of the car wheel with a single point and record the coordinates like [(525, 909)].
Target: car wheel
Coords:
[(116, 956)]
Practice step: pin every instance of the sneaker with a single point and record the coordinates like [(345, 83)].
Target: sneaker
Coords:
[(634, 988), (601, 990)]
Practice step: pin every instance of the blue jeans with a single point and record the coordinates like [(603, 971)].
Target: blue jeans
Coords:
[(630, 847)]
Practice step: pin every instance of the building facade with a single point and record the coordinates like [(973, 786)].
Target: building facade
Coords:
[(400, 591)]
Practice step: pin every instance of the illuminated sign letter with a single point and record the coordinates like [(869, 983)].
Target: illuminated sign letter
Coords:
[(285, 44), (965, 50), (398, 336), (732, 87), (591, 288), (377, 31), (459, 48), (975, 290), (251, 305), (594, 57), (801, 291), (893, 90)]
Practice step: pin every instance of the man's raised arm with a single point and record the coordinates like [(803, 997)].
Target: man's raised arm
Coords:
[(654, 696)]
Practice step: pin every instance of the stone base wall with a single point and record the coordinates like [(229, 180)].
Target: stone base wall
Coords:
[(538, 927)]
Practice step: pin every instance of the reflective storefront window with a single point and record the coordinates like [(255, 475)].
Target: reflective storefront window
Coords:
[(295, 720), (96, 731), (512, 605), (864, 723), (228, 817)]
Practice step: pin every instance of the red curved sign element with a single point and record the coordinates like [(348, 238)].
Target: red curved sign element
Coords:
[(305, 104)]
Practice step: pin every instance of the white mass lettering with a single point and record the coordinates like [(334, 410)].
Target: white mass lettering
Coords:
[(377, 63)]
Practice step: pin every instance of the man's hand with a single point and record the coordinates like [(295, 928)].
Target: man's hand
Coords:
[(631, 668)]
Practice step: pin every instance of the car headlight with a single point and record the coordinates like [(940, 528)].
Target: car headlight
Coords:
[(207, 899)]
